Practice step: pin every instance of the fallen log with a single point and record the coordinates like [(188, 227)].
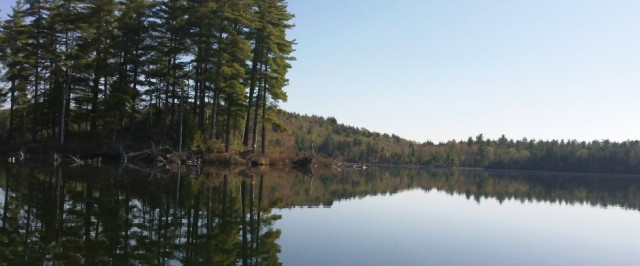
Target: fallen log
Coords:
[(77, 161), (152, 153)]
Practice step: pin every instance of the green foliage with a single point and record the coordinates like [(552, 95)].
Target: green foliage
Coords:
[(198, 141), (123, 71), (351, 144), (278, 126)]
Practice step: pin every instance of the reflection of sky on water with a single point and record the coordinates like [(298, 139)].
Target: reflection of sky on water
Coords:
[(395, 216), (415, 227)]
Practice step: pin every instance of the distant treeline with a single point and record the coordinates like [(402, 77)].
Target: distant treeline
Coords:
[(351, 144), (121, 71)]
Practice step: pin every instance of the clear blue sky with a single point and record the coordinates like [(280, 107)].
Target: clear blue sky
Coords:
[(448, 69), (441, 70)]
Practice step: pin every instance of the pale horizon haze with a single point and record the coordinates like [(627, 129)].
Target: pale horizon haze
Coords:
[(443, 70)]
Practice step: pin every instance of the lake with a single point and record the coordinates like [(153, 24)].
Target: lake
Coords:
[(133, 215)]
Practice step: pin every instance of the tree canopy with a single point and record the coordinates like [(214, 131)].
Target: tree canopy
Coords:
[(120, 71)]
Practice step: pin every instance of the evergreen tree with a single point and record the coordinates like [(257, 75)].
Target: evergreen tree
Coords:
[(270, 62), (50, 67), (131, 52), (70, 63), (99, 66), (37, 12), (202, 23), (233, 52), (96, 46), (15, 56), (169, 37), (4, 92)]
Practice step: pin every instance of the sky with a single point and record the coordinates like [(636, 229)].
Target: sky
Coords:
[(443, 70)]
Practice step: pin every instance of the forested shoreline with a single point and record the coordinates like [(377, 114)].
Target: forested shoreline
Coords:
[(186, 74), (351, 144), (112, 72)]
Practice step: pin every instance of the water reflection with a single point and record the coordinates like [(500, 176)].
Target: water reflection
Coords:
[(105, 215), (322, 189), (137, 215)]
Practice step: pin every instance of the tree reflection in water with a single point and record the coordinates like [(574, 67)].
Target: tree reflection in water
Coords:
[(103, 215), (134, 215)]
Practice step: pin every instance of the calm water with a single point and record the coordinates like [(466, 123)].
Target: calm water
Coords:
[(136, 215)]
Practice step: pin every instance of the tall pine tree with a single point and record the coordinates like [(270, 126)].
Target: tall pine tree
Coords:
[(97, 67), (15, 54)]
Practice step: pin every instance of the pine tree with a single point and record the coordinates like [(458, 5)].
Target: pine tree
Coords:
[(68, 63), (201, 22), (234, 51), (273, 51), (90, 65), (131, 52), (15, 59), (4, 92), (37, 12), (169, 40), (95, 59)]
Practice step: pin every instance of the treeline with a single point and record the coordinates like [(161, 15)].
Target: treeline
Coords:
[(352, 144), (176, 72)]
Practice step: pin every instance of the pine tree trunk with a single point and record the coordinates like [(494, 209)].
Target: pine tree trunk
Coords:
[(12, 107), (51, 116), (214, 113), (254, 137), (36, 101), (264, 113), (94, 102), (252, 86), (64, 106), (136, 71), (173, 96), (165, 106), (257, 107), (201, 106), (227, 138), (181, 118), (67, 86), (196, 92), (195, 110)]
